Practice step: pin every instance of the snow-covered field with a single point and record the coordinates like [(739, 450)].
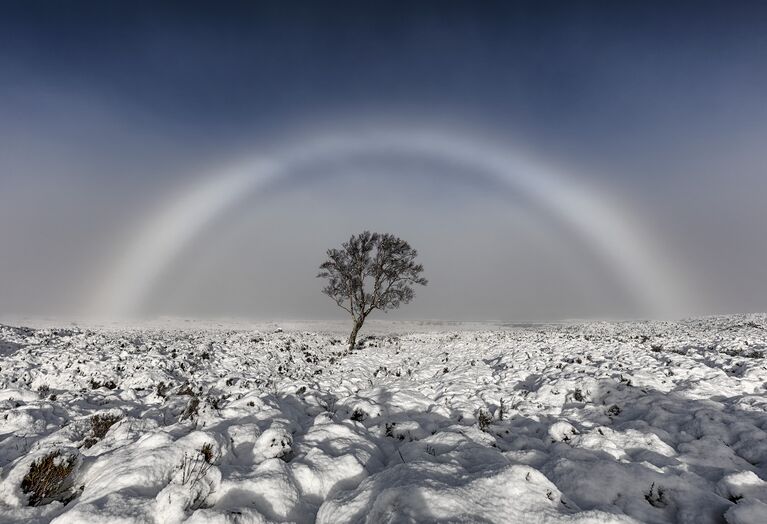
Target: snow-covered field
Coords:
[(592, 422)]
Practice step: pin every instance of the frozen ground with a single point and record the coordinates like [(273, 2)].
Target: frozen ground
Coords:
[(594, 422)]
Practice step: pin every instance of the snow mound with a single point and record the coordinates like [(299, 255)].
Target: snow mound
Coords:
[(655, 422), (425, 492)]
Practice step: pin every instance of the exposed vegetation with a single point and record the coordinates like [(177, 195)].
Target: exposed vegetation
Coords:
[(48, 478)]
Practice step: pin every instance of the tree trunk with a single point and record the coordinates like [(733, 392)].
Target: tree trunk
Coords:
[(355, 330)]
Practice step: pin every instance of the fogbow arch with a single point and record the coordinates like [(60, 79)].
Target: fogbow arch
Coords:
[(603, 227)]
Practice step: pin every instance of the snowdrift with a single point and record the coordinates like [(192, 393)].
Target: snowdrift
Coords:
[(595, 422)]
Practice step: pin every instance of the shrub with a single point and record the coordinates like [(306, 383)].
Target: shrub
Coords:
[(484, 419), (192, 408), (185, 389), (656, 496), (48, 478), (207, 452), (217, 402), (194, 467), (95, 384), (100, 424), (162, 389)]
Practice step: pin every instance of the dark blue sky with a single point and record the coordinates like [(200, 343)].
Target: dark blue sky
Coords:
[(107, 106), (556, 67)]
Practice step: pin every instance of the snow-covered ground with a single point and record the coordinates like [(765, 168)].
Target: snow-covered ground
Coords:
[(591, 422)]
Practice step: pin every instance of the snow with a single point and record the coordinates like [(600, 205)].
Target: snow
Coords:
[(579, 422)]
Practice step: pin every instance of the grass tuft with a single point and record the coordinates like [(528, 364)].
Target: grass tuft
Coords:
[(48, 478)]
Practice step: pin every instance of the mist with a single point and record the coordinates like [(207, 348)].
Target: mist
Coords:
[(111, 115)]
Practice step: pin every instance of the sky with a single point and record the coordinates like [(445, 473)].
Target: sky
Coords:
[(592, 159)]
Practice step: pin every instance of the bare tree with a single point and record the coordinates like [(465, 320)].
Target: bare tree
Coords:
[(371, 271)]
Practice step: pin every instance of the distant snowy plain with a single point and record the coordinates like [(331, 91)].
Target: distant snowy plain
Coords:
[(583, 422)]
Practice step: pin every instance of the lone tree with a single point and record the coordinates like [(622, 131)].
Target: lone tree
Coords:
[(371, 271)]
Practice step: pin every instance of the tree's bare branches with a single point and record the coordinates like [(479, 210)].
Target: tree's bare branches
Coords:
[(371, 271)]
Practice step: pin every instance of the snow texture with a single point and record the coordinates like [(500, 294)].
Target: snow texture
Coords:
[(652, 422)]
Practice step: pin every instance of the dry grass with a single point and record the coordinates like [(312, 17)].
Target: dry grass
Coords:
[(100, 425), (192, 408), (47, 479), (207, 452), (194, 466)]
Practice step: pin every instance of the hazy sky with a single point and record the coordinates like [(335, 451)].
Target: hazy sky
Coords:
[(111, 112)]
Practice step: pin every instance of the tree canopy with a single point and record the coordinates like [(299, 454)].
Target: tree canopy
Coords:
[(371, 271)]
